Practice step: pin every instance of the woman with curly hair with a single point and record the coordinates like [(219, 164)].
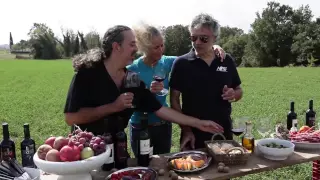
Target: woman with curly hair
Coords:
[(150, 43), (97, 100)]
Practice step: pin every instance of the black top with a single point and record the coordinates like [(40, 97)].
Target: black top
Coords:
[(201, 86), (93, 87)]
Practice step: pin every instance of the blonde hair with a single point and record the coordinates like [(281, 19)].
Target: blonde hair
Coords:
[(144, 34)]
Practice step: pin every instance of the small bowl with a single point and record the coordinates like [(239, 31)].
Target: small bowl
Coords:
[(277, 154)]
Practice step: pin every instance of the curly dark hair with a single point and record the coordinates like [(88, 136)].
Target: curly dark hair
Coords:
[(92, 56)]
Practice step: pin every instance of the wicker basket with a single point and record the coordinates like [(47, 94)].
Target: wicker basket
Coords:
[(228, 159)]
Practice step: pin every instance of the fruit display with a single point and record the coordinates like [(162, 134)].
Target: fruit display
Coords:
[(133, 174), (79, 145), (305, 134), (186, 163)]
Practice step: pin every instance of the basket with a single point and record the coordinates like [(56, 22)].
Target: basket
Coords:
[(228, 159)]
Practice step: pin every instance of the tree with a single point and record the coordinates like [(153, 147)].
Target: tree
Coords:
[(83, 44), (236, 46), (76, 47), (92, 39), (11, 41), (177, 40), (43, 42)]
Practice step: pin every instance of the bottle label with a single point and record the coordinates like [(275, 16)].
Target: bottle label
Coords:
[(295, 122), (312, 121), (144, 147), (6, 153), (121, 151), (110, 159), (151, 152), (27, 155)]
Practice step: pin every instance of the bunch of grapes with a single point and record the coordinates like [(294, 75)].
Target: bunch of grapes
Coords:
[(84, 139)]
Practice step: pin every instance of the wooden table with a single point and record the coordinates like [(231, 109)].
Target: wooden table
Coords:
[(255, 164)]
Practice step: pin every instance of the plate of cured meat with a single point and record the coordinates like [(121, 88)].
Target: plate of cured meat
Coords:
[(189, 161), (134, 173)]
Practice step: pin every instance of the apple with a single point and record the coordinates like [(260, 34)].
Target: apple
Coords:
[(43, 150), (59, 142), (53, 155), (86, 153), (50, 141)]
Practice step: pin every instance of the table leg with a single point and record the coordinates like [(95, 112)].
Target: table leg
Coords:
[(316, 170)]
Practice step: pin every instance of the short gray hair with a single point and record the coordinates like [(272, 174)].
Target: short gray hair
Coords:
[(207, 21)]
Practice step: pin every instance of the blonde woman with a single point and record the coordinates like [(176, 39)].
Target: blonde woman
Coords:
[(150, 43)]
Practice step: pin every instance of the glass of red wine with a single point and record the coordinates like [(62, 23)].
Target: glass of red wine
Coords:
[(132, 84), (159, 75), (238, 126)]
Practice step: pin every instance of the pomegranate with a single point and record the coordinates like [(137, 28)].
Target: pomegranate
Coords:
[(70, 153)]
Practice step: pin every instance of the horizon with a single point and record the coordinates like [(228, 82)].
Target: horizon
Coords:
[(89, 15)]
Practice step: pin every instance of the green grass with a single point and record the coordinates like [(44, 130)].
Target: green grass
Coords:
[(34, 92)]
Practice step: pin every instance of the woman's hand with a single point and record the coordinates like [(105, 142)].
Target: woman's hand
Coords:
[(218, 50), (156, 87), (123, 101), (209, 126)]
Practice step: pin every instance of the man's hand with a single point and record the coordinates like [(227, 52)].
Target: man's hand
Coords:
[(123, 101), (187, 138), (228, 94), (209, 126), (218, 50), (156, 86)]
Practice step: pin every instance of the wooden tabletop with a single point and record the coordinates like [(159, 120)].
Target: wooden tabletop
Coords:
[(255, 164)]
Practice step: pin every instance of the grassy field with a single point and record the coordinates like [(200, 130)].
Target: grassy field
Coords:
[(34, 92)]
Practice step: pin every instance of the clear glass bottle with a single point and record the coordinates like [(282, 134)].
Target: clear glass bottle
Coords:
[(248, 139)]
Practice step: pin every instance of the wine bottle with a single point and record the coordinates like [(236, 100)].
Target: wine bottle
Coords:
[(28, 147), (8, 148), (121, 151), (109, 164), (310, 115), (144, 142), (292, 117)]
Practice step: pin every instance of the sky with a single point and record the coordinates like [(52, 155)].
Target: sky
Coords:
[(17, 16)]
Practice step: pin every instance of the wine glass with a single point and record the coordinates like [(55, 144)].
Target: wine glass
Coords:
[(238, 126), (132, 84), (159, 75), (263, 127)]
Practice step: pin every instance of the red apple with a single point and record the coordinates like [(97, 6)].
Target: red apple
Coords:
[(50, 141), (53, 155), (59, 142), (70, 153), (43, 150)]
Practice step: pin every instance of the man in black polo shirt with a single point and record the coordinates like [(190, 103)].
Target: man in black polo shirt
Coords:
[(207, 85)]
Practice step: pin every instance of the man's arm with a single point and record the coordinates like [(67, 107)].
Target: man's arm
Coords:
[(238, 93), (87, 115), (175, 104)]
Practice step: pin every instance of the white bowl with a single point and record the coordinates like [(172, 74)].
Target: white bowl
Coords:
[(275, 153), (73, 170)]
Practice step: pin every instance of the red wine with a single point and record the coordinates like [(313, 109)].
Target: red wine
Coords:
[(310, 115), (291, 117), (144, 142), (28, 147), (8, 148), (158, 78), (237, 131), (109, 164)]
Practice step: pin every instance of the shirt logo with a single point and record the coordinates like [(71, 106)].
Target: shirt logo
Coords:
[(222, 69)]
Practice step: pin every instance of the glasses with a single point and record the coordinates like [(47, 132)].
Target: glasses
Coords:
[(202, 38), (160, 74)]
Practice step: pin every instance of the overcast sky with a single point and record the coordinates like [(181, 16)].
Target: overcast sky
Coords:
[(17, 16)]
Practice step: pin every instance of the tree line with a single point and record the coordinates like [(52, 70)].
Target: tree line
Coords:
[(280, 36)]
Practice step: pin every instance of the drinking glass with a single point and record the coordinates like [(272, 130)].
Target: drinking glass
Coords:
[(159, 75), (263, 127), (238, 126), (132, 84)]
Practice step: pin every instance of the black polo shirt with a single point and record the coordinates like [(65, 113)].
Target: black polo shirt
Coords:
[(93, 87), (201, 86)]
